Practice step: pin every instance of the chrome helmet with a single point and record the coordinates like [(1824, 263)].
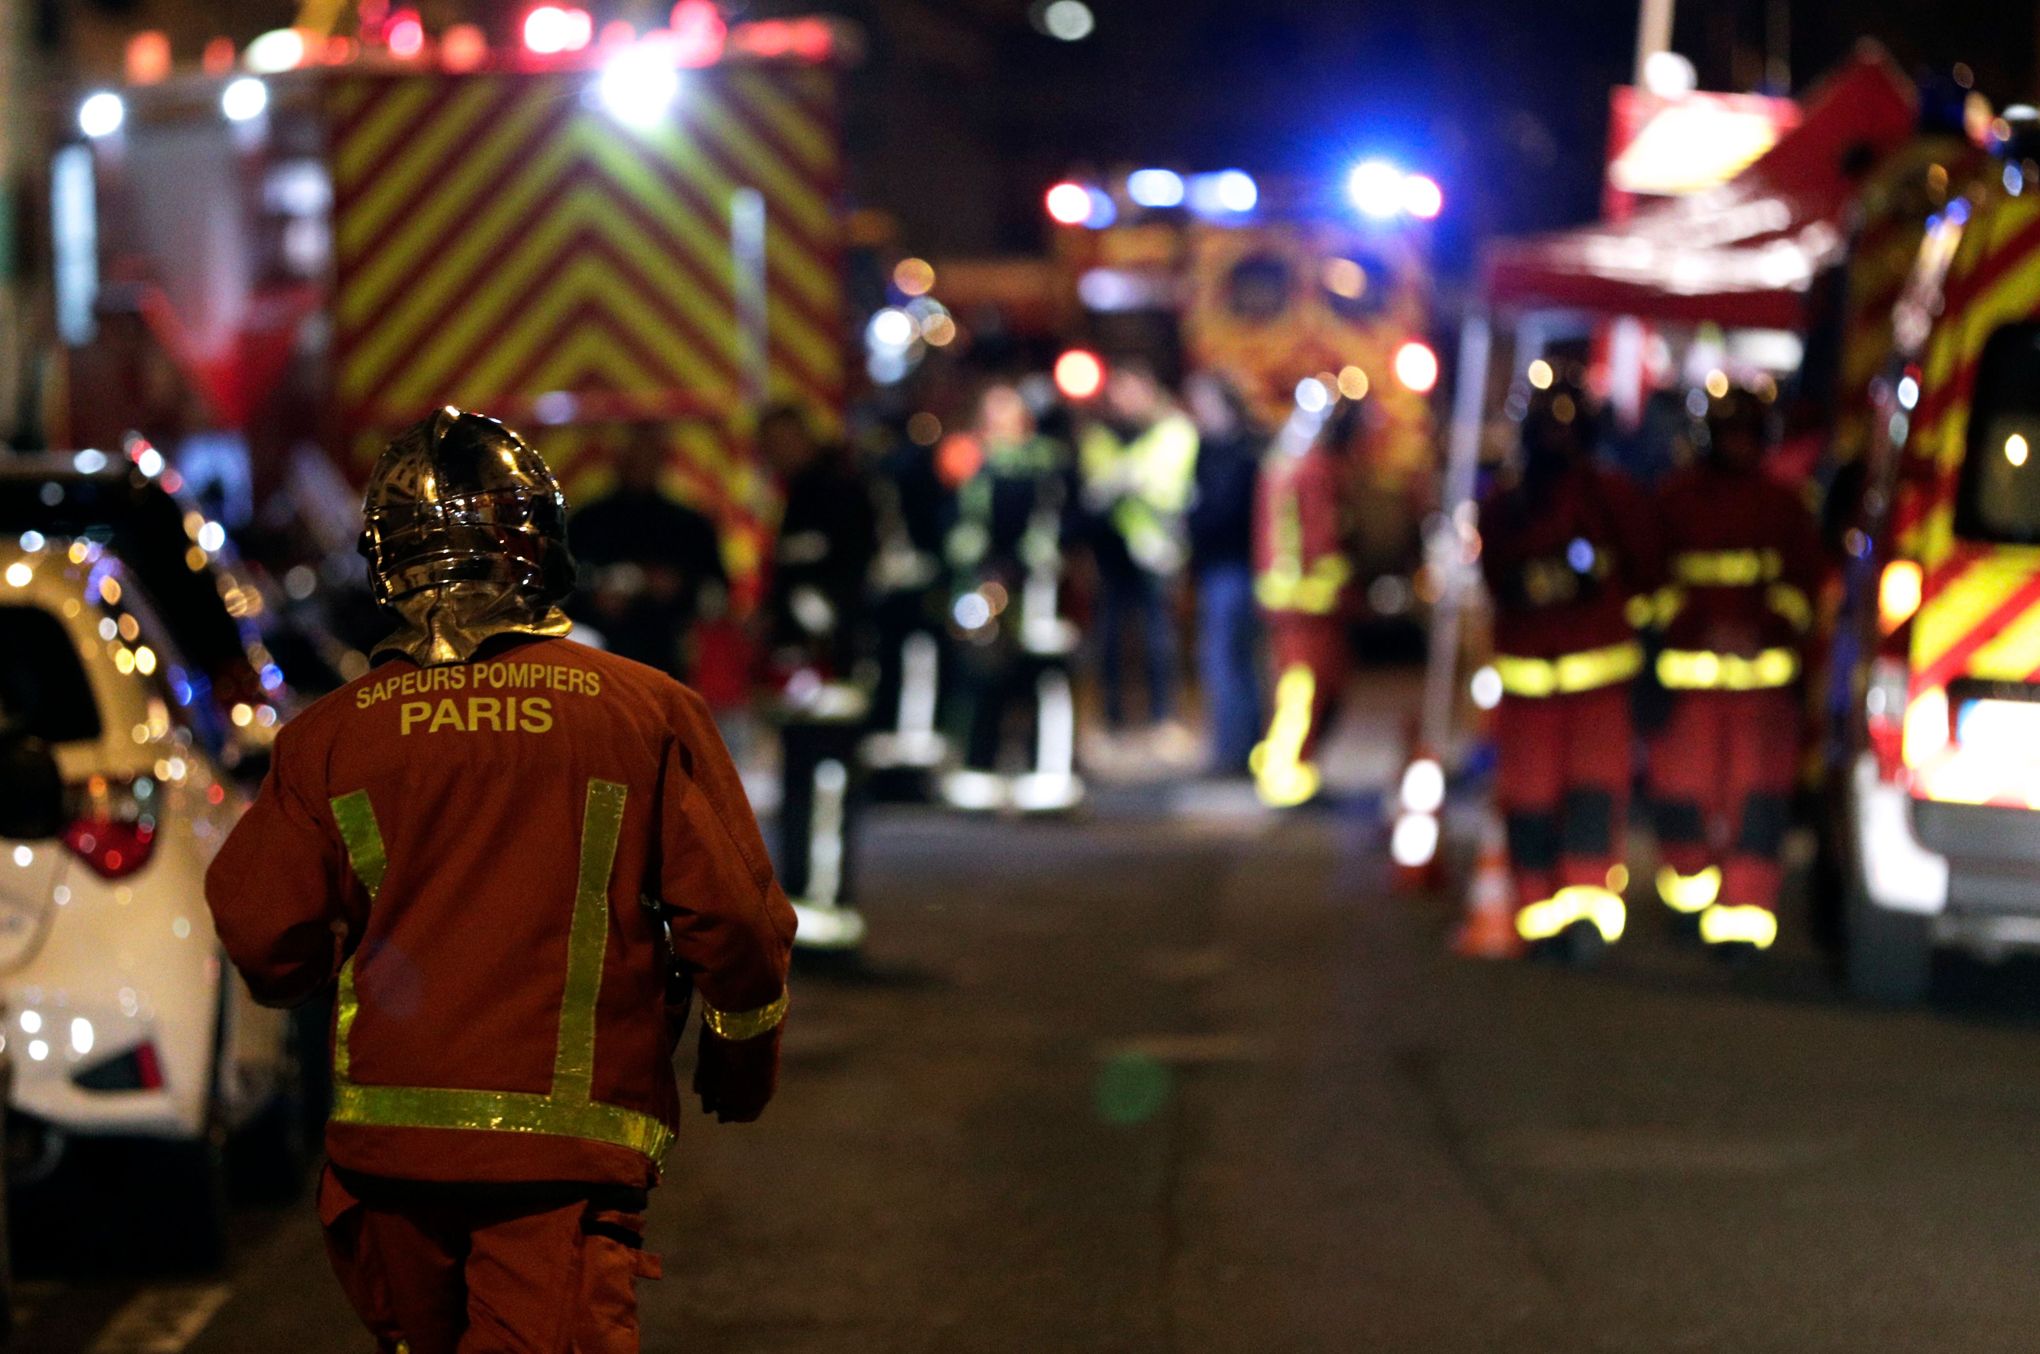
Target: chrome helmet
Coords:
[(459, 500)]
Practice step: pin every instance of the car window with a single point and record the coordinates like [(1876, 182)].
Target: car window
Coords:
[(1998, 495), (43, 688)]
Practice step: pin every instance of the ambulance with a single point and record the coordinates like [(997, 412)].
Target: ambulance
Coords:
[(1938, 806)]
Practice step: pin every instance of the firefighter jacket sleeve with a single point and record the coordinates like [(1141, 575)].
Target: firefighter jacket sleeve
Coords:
[(731, 925), (279, 891)]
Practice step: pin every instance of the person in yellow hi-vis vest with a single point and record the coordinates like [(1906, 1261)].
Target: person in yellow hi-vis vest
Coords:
[(1137, 464), (1300, 573)]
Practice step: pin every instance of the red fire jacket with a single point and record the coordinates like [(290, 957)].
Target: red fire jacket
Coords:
[(1564, 565), (474, 852), (1743, 565), (1300, 562)]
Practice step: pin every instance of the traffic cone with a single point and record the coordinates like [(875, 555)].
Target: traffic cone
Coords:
[(1489, 929)]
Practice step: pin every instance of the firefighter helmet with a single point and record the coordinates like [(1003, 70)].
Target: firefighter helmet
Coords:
[(1739, 424), (1560, 419), (459, 498)]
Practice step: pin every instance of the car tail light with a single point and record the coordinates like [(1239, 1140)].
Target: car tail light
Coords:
[(1928, 727), (1884, 707), (138, 1069), (114, 828), (1899, 591)]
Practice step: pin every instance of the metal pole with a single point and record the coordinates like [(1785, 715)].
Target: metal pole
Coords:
[(1447, 550), (1653, 32)]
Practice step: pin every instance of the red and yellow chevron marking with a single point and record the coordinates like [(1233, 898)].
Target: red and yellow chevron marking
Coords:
[(1981, 610), (498, 239), (1911, 184)]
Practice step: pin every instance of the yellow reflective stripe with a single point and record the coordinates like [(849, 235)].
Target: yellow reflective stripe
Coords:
[(1574, 903), (355, 817), (1790, 603), (1283, 589), (1282, 778), (499, 1112), (1746, 925), (568, 1111), (1689, 893), (737, 1026), (1700, 670), (1726, 568), (601, 825), (1588, 670)]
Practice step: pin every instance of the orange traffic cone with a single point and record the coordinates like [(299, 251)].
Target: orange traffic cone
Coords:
[(1489, 930)]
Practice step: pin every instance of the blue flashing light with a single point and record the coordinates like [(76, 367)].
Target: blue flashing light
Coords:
[(1155, 188), (1376, 189), (1103, 210), (1228, 192)]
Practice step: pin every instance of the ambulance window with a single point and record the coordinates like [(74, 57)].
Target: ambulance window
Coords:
[(43, 688), (1998, 495), (1356, 287), (1257, 289)]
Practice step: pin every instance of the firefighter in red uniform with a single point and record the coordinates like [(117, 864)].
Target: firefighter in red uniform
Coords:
[(1742, 565), (518, 857), (1567, 552), (1300, 573)]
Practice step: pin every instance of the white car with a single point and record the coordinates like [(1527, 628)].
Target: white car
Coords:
[(121, 1018)]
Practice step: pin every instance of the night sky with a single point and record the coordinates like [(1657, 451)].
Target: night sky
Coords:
[(962, 113)]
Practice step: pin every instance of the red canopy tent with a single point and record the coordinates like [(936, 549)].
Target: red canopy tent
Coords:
[(1743, 254)]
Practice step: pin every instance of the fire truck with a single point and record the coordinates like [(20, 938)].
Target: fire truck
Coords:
[(293, 253), (1272, 284), (1939, 806)]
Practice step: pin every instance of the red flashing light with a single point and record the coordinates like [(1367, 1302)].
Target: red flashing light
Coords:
[(616, 33), (405, 34), (1416, 366), (218, 58), (804, 39), (1079, 374), (148, 57), (463, 47), (1422, 197), (699, 33), (1069, 204), (552, 29)]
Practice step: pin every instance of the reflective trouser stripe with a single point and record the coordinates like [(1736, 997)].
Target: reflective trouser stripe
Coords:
[(1282, 778), (1588, 670), (568, 1110), (1727, 925), (1689, 892), (1700, 670), (1575, 903)]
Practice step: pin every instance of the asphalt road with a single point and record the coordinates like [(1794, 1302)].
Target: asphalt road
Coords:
[(1147, 1083)]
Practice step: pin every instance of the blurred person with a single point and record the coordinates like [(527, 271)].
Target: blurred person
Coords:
[(1567, 551), (1005, 552), (1301, 571), (1221, 531), (520, 859), (818, 618), (910, 597), (1744, 565), (1137, 462), (650, 567)]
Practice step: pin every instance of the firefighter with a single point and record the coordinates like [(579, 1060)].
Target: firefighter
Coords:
[(818, 608), (1743, 565), (1014, 647), (1301, 570), (519, 858), (1567, 552), (1137, 466)]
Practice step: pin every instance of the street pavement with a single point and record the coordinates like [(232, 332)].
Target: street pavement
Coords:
[(1200, 1081)]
